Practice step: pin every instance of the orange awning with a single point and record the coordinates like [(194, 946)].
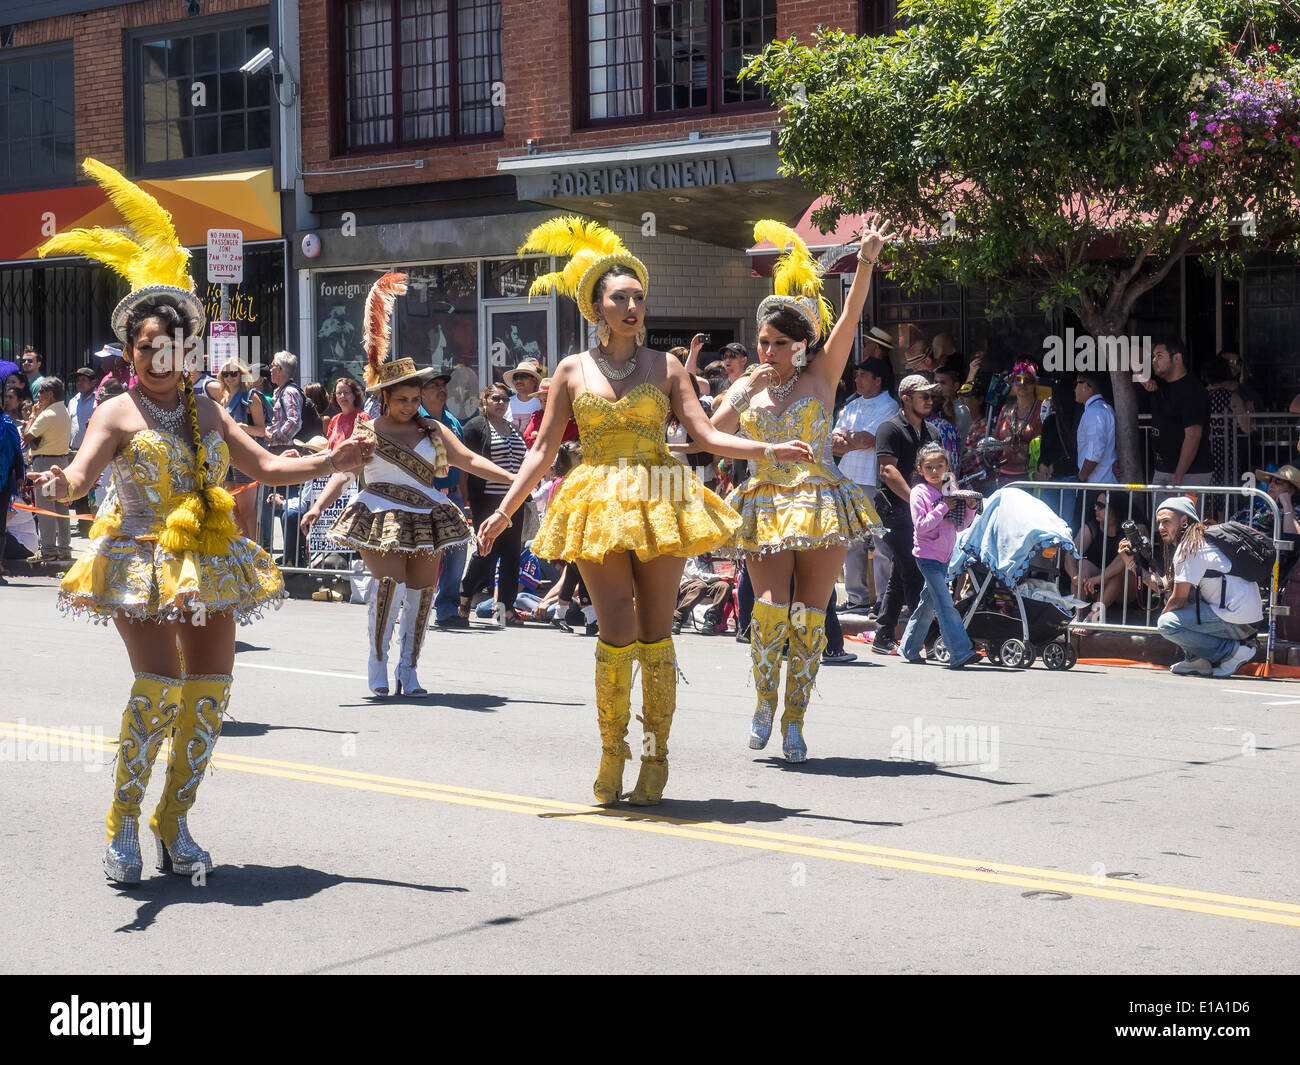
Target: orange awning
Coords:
[(242, 199)]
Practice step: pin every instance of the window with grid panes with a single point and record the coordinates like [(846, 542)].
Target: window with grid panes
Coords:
[(657, 58), (418, 71), (37, 144), (195, 104), (877, 18)]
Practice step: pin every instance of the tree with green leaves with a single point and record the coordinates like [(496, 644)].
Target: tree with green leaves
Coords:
[(1075, 149)]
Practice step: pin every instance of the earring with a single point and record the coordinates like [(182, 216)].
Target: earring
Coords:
[(602, 333), (641, 337)]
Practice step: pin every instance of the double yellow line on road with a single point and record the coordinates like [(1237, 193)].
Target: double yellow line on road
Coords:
[(985, 871)]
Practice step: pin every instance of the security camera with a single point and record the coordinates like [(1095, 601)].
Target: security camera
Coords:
[(259, 62)]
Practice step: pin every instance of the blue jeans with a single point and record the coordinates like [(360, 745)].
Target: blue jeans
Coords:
[(525, 601), (1212, 638), (935, 599), (446, 600)]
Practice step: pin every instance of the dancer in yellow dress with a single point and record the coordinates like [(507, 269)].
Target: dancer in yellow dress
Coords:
[(796, 519), (631, 514), (166, 563)]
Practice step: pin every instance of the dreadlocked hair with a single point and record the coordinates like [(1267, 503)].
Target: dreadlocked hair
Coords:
[(1191, 541)]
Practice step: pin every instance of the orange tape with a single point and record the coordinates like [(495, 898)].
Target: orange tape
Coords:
[(90, 514)]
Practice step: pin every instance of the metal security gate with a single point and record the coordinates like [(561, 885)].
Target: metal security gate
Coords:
[(61, 309)]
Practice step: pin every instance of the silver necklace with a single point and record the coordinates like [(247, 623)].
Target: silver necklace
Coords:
[(171, 420), (629, 368), (782, 392)]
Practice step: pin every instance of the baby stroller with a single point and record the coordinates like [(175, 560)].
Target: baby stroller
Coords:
[(1015, 611)]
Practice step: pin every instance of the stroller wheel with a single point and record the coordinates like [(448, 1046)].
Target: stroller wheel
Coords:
[(939, 652), (1016, 653), (1054, 656), (1071, 656)]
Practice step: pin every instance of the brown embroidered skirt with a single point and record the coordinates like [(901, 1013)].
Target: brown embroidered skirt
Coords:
[(405, 531)]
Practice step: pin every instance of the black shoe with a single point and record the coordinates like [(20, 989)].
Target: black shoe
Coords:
[(742, 637), (561, 624), (883, 645), (973, 660), (856, 608), (677, 627), (710, 626), (593, 629), (453, 622)]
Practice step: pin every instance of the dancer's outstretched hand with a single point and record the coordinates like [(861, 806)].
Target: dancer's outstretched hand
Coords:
[(353, 453), (793, 451), (495, 524), (310, 518), (51, 483), (875, 235)]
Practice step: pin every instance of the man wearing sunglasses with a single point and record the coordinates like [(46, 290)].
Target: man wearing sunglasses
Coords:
[(32, 364), (898, 439)]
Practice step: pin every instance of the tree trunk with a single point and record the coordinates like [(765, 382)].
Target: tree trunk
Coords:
[(1128, 440)]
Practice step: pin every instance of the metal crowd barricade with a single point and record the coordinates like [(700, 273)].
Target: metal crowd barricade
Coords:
[(1139, 607), (1257, 439), (311, 554)]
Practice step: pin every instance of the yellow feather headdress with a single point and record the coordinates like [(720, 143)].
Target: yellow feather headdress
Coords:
[(796, 278), (148, 253), (592, 249)]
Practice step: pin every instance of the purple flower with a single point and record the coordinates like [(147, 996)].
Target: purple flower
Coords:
[(1207, 145)]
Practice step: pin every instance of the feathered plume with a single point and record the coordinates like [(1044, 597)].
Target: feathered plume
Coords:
[(796, 272), (150, 255), (377, 335), (582, 239)]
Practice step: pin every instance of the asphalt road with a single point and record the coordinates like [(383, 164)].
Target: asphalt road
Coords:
[(1102, 820)]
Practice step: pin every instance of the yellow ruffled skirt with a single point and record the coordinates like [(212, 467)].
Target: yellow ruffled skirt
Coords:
[(137, 578), (649, 509), (806, 516)]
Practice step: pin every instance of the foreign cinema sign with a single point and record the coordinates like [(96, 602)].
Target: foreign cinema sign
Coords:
[(679, 174)]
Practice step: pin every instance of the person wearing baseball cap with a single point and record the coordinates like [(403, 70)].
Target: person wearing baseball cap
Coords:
[(1209, 614), (898, 439)]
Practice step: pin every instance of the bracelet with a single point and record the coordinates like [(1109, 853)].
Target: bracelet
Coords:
[(769, 453), (329, 455), (509, 524), (867, 262), (740, 401)]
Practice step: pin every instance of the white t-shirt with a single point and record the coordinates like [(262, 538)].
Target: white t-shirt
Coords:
[(1239, 601), (861, 415), (521, 410)]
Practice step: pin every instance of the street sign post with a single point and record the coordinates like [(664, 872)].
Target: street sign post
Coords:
[(223, 344)]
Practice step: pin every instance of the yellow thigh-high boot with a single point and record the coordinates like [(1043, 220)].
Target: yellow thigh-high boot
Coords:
[(658, 701), (613, 713), (807, 641), (197, 727), (150, 711), (767, 634)]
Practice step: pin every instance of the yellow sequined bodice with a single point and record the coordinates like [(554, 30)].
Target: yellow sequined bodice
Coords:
[(806, 419), (631, 428), (151, 470)]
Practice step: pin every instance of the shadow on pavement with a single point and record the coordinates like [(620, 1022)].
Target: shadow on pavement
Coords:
[(872, 767), (481, 704), (243, 885), (712, 811), (240, 645), (246, 729)]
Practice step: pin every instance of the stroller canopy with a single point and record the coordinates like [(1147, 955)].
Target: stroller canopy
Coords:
[(1013, 528)]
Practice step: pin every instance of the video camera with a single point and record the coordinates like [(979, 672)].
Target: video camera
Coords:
[(1140, 544)]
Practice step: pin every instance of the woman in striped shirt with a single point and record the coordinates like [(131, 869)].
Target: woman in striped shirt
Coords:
[(494, 435)]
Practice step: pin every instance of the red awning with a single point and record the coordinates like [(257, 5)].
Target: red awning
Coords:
[(763, 255)]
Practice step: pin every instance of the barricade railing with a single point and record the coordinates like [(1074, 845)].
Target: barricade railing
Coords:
[(1256, 439), (280, 511), (1138, 607)]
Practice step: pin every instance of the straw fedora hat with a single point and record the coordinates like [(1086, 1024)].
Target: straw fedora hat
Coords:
[(399, 372)]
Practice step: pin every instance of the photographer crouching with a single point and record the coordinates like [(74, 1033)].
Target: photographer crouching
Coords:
[(1208, 612)]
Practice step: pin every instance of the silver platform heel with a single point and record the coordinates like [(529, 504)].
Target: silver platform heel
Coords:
[(794, 748), (184, 857), (122, 860)]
